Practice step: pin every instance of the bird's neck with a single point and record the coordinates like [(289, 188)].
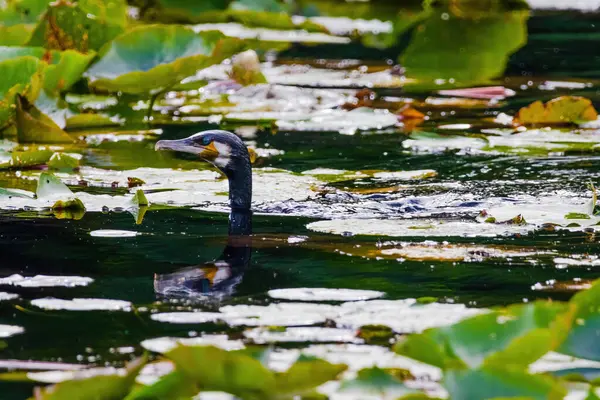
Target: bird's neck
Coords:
[(240, 223), (240, 185)]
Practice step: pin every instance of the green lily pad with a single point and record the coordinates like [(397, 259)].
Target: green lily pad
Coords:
[(467, 49), (62, 161), (497, 382), (173, 386), (33, 126), (517, 335), (376, 382), (229, 371), (73, 26), (584, 333), (64, 69), (22, 11), (16, 35), (21, 75), (21, 159), (305, 375), (153, 58), (109, 387)]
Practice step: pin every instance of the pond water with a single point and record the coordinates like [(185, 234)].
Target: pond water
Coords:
[(408, 236)]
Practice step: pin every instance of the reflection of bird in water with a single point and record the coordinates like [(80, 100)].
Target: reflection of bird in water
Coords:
[(218, 278)]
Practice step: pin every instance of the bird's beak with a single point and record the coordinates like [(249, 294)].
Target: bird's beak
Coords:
[(188, 146)]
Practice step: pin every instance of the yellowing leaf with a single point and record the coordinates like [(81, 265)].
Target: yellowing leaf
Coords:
[(33, 126), (562, 110)]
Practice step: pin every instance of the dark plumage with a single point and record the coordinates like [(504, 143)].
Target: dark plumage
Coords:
[(220, 277), (225, 151)]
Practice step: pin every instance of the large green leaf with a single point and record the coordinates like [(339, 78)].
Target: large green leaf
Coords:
[(584, 334), (305, 375), (497, 382), (111, 387), (73, 26), (517, 335), (376, 382), (228, 371), (15, 35), (173, 386), (64, 69), (155, 57), (467, 49), (16, 12), (21, 75)]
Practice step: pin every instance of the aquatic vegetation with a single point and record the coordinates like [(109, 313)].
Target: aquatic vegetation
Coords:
[(424, 218)]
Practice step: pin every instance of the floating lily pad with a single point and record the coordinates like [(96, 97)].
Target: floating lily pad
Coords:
[(49, 303), (562, 110), (23, 159), (46, 281), (186, 317), (113, 233), (4, 296), (152, 58), (302, 334), (416, 228), (346, 122), (10, 330), (323, 294), (166, 344)]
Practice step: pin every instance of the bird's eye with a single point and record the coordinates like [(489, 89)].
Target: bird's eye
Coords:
[(206, 141)]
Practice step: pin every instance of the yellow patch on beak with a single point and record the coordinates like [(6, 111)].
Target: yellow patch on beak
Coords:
[(209, 152)]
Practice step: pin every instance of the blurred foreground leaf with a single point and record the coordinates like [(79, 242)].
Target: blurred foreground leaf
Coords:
[(501, 382), (173, 386), (33, 126), (227, 371), (375, 382), (584, 333), (466, 48), (517, 335), (15, 12), (16, 35), (562, 110), (153, 58), (111, 387), (21, 75)]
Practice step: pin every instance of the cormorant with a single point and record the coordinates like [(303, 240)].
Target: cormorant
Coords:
[(225, 151), (218, 278)]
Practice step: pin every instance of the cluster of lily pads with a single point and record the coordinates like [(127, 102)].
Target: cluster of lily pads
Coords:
[(540, 350)]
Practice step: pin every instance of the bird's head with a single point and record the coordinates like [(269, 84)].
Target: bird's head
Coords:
[(221, 148)]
